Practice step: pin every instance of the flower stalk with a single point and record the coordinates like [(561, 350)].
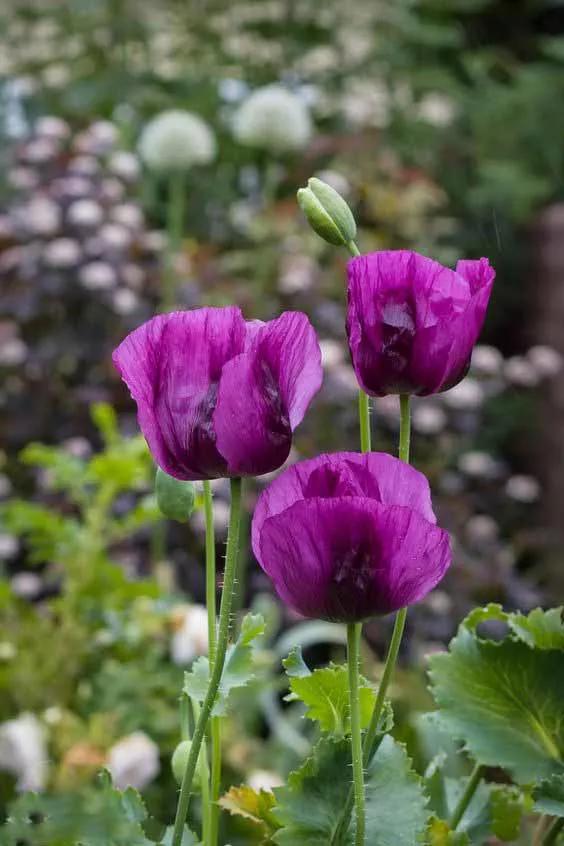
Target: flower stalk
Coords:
[(354, 634), (466, 798), (219, 660)]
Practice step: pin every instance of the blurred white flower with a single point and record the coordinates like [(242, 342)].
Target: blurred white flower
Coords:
[(479, 465), (97, 276), (85, 213), (42, 216), (23, 751), (114, 236), (520, 371), (52, 127), (297, 273), (176, 141), (40, 150), (22, 178), (332, 353), (367, 103), (62, 253), (428, 419), (274, 119), (546, 361), (232, 90), (522, 488), (127, 214), (486, 360), (84, 165), (9, 545), (26, 585), (437, 109), (466, 396), (125, 301), (134, 761), (264, 780), (190, 638), (13, 351), (125, 165), (481, 529)]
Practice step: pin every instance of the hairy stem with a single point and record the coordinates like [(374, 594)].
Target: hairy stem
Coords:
[(354, 633)]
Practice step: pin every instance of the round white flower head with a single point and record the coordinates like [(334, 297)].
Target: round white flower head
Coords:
[(546, 360), (190, 638), (23, 751), (520, 371), (479, 464), (273, 119), (523, 488), (429, 419), (486, 360), (134, 761), (176, 141), (466, 396)]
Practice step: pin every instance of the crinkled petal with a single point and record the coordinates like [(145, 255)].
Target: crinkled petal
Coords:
[(264, 394), (404, 312), (376, 475), (351, 558), (172, 366)]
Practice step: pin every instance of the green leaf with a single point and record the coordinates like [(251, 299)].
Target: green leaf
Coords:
[(239, 667), (548, 796), (541, 629), (508, 804), (325, 693), (295, 665), (105, 420), (309, 807), (253, 805), (504, 698)]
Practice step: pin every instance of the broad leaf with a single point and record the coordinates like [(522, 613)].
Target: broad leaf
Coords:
[(253, 805), (325, 693), (239, 667), (309, 807), (548, 796), (504, 698)]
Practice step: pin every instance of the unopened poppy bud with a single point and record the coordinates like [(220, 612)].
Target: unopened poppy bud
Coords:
[(175, 498), (327, 213), (180, 760)]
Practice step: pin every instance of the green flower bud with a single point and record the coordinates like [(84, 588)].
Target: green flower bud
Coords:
[(174, 497), (327, 213), (179, 761)]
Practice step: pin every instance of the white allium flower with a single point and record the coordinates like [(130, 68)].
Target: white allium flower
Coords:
[(466, 396), (40, 150), (26, 585), (264, 780), (437, 109), (486, 360), (134, 761), (85, 213), (429, 419), (367, 103), (112, 190), (274, 119), (125, 165), (84, 165), (62, 253), (114, 236), (190, 638), (332, 353), (232, 90), (479, 465), (97, 276), (176, 141), (522, 488), (482, 529), (439, 602), (520, 371), (42, 216), (23, 751), (546, 360), (22, 178)]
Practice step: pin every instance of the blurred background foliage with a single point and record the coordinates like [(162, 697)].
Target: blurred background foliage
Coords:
[(440, 122)]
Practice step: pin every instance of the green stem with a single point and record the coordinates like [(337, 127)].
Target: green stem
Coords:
[(219, 662), (210, 571), (364, 418), (353, 249), (466, 798), (176, 202), (204, 782), (551, 835), (405, 427), (215, 723), (354, 634)]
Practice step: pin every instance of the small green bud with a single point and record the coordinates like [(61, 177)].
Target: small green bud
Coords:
[(180, 760), (174, 497), (327, 213)]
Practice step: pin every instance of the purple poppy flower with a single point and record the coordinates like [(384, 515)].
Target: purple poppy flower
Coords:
[(348, 536), (217, 395), (412, 323)]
